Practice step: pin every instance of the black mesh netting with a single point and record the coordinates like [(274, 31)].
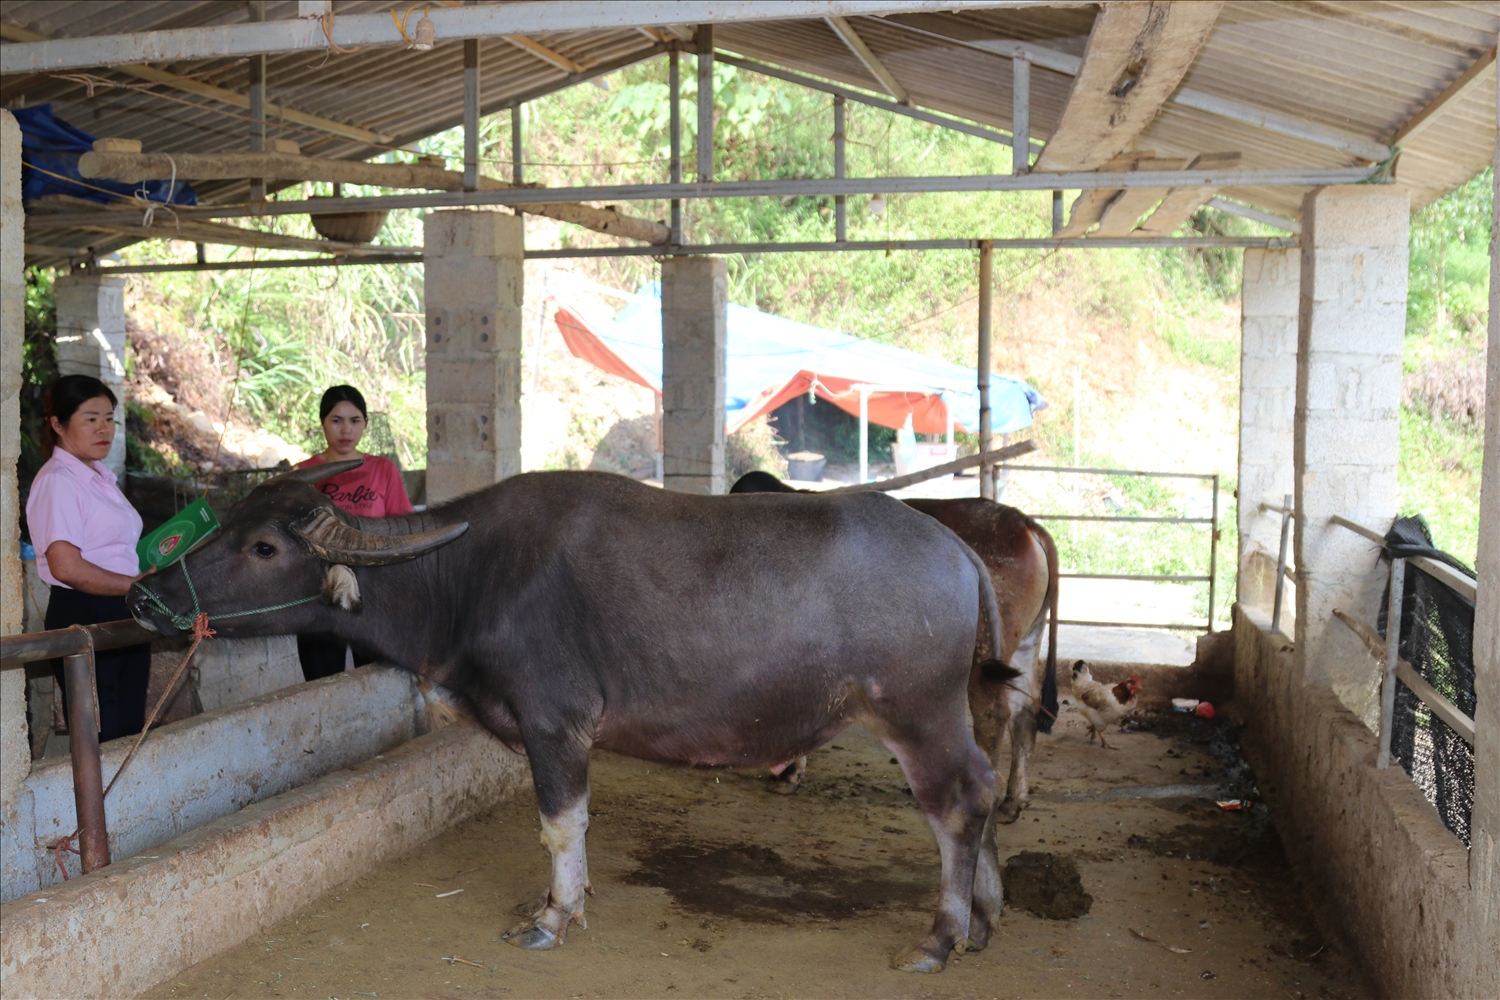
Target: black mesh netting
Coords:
[(1437, 639)]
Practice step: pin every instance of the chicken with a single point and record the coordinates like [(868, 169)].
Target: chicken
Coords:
[(1102, 705)]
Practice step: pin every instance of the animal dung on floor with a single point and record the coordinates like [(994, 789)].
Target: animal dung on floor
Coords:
[(1046, 885)]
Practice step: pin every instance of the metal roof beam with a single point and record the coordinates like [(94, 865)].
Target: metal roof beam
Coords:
[(979, 131), (16, 33), (1256, 215), (1136, 57), (777, 188), (1451, 95), (228, 41), (887, 79)]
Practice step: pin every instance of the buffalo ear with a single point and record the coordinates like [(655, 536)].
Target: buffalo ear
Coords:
[(340, 588)]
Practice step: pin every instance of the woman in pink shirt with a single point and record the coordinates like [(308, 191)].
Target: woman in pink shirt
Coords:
[(374, 489), (85, 533)]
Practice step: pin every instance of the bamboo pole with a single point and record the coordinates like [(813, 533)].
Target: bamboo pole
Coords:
[(135, 167)]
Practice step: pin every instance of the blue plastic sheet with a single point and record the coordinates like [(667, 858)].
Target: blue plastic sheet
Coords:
[(54, 146)]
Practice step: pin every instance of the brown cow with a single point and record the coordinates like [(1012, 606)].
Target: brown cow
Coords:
[(1022, 561)]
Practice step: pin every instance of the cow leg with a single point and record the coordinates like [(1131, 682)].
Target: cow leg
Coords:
[(1024, 704), (988, 899), (952, 782), (1018, 787), (560, 773), (789, 780)]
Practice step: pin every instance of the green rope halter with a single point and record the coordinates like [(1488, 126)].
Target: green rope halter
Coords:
[(185, 622)]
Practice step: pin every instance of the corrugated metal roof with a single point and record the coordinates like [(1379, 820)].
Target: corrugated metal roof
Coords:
[(1360, 68)]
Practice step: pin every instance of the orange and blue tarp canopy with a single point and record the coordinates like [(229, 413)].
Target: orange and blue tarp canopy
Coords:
[(772, 360)]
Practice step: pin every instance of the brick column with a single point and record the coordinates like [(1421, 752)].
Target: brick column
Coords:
[(15, 750), (473, 284), (1351, 323), (694, 300), (1268, 396), (91, 341)]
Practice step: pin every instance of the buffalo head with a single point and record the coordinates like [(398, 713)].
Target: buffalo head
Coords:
[(281, 562)]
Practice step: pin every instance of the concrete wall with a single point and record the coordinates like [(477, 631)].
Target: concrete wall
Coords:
[(1268, 395), (15, 751), (1383, 871), (694, 309), (200, 769), (91, 341), (474, 284), (1350, 328), (132, 925)]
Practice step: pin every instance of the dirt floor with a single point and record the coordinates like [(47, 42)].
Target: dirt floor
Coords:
[(710, 886)]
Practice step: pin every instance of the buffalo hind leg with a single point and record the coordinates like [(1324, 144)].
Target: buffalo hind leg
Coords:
[(1018, 786), (1024, 701), (952, 783), (988, 898), (560, 775)]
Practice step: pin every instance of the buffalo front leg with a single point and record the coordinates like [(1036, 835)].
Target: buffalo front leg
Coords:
[(563, 799), (953, 784)]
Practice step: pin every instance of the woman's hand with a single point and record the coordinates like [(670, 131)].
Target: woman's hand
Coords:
[(67, 565)]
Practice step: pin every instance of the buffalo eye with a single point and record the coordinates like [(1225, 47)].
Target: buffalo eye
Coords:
[(264, 549)]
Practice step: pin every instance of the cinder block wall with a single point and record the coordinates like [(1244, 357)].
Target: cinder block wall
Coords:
[(1385, 874)]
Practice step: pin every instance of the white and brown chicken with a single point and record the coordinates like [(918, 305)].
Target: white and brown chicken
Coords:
[(1102, 705)]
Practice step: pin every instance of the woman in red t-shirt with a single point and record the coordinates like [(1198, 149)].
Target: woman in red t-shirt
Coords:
[(374, 489)]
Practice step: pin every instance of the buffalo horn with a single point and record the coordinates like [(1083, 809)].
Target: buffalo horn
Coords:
[(317, 473), (332, 540)]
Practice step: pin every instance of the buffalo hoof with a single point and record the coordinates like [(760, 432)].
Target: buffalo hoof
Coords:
[(1009, 811), (922, 958), (532, 937), (979, 936), (534, 908), (786, 786)]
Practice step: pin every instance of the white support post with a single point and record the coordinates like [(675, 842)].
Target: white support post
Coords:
[(705, 42), (257, 104), (674, 99), (1021, 113), (840, 209), (694, 314), (1346, 438), (986, 307), (1397, 594), (471, 114), (91, 341)]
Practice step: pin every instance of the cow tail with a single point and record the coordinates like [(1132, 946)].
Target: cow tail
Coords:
[(993, 670), (1047, 714)]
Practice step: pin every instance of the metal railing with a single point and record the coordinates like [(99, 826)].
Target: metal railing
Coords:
[(1283, 571), (1388, 649), (1213, 541), (76, 646)]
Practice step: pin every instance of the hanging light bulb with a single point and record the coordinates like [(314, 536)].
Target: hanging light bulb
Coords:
[(422, 38), (877, 206)]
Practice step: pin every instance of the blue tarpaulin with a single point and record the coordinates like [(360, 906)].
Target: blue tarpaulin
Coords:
[(772, 360), (54, 146)]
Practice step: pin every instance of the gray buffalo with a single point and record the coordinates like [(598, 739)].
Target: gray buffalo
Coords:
[(574, 610), (1022, 562)]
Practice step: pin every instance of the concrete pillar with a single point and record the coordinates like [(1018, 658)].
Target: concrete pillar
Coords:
[(91, 341), (1350, 326), (473, 285), (15, 751), (1484, 826), (1268, 400), (694, 302)]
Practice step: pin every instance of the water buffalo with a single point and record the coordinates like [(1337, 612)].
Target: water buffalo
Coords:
[(574, 610), (1022, 562)]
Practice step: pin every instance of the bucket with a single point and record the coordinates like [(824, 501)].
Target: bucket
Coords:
[(806, 466)]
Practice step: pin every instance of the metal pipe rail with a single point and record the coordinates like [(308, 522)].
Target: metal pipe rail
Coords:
[(76, 646), (1388, 649), (1213, 550)]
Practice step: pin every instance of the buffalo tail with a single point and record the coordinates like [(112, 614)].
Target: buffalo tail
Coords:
[(1047, 714)]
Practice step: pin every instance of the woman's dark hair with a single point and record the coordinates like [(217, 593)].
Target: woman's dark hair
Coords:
[(64, 397), (341, 394)]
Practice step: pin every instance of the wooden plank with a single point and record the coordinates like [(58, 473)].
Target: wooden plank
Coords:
[(199, 231), (1180, 203), (1123, 212), (545, 54), (845, 31), (1090, 206), (133, 167), (1442, 707), (1136, 57), (998, 455), (1451, 95)]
